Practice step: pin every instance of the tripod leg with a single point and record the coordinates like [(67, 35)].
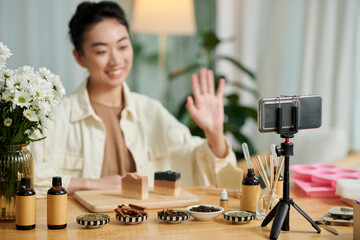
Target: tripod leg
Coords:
[(306, 216), (280, 216), (270, 216)]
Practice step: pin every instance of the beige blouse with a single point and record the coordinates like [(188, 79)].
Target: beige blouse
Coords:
[(117, 157)]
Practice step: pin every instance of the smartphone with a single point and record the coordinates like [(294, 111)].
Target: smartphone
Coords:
[(308, 113)]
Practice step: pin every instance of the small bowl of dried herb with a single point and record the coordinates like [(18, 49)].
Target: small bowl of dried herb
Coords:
[(204, 212), (239, 216), (173, 216), (93, 220)]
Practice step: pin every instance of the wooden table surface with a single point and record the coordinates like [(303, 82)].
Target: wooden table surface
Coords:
[(154, 228)]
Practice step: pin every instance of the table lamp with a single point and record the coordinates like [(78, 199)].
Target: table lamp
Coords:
[(163, 17)]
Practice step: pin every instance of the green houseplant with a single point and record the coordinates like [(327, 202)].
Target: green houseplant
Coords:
[(236, 114)]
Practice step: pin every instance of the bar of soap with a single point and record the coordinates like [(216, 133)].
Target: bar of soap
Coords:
[(229, 177), (135, 186), (167, 183), (348, 188)]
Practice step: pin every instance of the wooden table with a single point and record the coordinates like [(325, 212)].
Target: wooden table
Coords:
[(154, 228)]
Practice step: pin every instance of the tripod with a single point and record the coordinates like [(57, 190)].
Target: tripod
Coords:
[(280, 212)]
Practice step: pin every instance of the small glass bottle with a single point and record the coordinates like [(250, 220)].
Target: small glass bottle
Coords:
[(250, 191), (224, 203), (56, 205), (25, 205)]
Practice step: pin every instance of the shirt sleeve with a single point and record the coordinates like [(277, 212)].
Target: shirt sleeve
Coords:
[(206, 164), (44, 171)]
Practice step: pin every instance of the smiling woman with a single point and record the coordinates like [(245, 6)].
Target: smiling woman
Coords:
[(103, 130), (108, 55)]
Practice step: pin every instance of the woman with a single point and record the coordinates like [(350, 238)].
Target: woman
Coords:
[(103, 130)]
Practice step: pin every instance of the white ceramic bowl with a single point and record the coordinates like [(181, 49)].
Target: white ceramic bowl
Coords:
[(205, 216)]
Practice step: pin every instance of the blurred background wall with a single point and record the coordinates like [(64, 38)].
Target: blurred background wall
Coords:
[(292, 47)]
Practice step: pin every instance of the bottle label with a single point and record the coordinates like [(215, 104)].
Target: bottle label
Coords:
[(250, 195), (56, 209), (25, 210), (279, 188)]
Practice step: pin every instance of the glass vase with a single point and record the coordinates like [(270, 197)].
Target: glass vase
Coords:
[(16, 162)]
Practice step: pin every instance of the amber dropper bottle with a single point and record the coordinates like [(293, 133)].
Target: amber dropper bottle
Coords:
[(280, 183), (25, 202), (250, 191), (57, 205)]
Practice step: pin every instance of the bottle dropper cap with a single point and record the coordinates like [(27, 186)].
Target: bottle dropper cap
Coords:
[(56, 181), (251, 172), (25, 181), (223, 195)]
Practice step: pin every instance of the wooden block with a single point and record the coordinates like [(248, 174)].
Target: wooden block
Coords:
[(356, 220)]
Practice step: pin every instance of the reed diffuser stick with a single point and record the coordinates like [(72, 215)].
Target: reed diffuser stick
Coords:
[(261, 173), (264, 172)]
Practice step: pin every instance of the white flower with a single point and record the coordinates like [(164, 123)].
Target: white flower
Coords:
[(16, 82), (2, 62), (42, 107), (57, 86), (22, 98), (7, 122), (39, 89), (8, 73), (7, 95), (4, 54), (45, 73), (25, 70), (31, 115), (4, 50)]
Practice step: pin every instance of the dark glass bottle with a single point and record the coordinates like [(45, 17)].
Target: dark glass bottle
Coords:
[(25, 205), (250, 191), (57, 205)]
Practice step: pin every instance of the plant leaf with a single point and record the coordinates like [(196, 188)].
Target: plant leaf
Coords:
[(239, 65), (243, 87), (180, 71)]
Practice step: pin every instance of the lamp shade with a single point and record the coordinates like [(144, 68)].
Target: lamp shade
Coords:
[(164, 17)]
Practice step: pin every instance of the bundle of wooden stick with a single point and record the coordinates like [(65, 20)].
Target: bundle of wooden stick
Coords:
[(270, 175)]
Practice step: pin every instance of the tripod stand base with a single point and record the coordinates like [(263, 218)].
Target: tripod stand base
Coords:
[(280, 213)]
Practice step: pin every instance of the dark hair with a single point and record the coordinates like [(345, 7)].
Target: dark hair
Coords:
[(89, 13)]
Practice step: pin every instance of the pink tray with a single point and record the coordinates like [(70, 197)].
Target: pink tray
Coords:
[(315, 189), (319, 180)]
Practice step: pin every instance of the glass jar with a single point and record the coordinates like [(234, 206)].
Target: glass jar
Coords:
[(267, 201), (16, 162)]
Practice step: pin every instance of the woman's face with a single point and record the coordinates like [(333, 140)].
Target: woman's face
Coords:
[(107, 53)]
